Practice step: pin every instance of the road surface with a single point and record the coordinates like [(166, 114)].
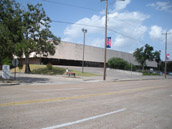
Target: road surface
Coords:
[(96, 105)]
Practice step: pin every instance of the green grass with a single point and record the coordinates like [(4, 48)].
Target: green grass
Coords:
[(42, 69), (53, 71), (32, 67), (149, 74), (78, 73)]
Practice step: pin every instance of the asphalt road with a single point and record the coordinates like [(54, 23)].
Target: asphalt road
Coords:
[(96, 105)]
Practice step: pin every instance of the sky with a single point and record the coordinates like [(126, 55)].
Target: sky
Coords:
[(131, 23)]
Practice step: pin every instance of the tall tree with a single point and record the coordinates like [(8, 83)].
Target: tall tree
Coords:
[(144, 53), (25, 31), (157, 58), (37, 36), (10, 28)]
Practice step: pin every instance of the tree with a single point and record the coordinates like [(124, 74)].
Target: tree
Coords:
[(37, 35), (10, 29), (25, 31), (169, 66), (144, 53), (118, 63), (157, 58), (139, 55)]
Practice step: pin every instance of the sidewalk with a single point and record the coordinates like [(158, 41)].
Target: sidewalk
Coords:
[(132, 78), (35, 79)]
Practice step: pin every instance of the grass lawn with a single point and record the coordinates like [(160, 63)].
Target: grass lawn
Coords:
[(150, 74), (32, 67), (42, 69)]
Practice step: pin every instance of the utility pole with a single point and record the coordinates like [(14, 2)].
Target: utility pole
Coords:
[(104, 75), (84, 31), (165, 70)]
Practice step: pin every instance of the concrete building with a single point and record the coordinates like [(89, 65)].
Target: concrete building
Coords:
[(72, 54)]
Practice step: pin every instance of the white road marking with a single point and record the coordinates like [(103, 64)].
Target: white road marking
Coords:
[(83, 120), (54, 89), (171, 95), (61, 89)]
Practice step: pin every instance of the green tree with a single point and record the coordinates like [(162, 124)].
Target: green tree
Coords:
[(25, 31), (10, 28), (157, 58), (169, 66), (118, 63), (37, 35), (144, 53)]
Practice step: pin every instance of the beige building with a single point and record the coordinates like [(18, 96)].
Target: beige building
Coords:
[(72, 54)]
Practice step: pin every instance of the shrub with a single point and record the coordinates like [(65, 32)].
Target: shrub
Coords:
[(133, 67), (119, 63), (49, 66), (6, 61), (54, 71)]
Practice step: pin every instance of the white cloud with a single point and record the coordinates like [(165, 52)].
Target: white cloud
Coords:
[(125, 44), (170, 39), (120, 4), (97, 42), (75, 30), (156, 33), (162, 6), (127, 23), (120, 42)]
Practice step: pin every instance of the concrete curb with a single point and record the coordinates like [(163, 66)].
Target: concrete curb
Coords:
[(9, 82), (138, 79), (82, 79)]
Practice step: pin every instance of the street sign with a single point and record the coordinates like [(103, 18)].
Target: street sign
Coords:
[(6, 72), (168, 56), (108, 42), (15, 62)]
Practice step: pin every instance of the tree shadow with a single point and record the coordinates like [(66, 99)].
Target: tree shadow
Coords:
[(32, 80)]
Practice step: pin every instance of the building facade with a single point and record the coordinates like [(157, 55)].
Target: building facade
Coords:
[(72, 54)]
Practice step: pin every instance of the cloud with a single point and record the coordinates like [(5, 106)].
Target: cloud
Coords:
[(97, 42), (156, 33), (170, 39), (120, 4), (75, 30), (120, 42), (129, 24), (162, 6)]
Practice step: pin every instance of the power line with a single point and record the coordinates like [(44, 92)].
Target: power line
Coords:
[(101, 27), (78, 24), (64, 22), (71, 5), (124, 35), (77, 6), (133, 26)]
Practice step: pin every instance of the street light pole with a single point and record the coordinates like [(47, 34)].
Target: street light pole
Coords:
[(84, 31)]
